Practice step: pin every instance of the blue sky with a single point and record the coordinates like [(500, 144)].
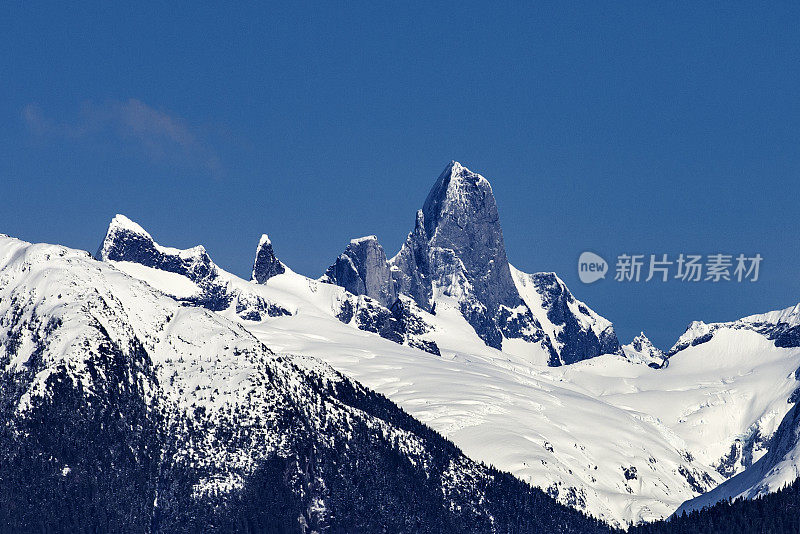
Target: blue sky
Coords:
[(613, 128)]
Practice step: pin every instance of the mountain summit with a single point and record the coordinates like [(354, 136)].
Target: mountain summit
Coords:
[(642, 350), (455, 258), (456, 253), (362, 269), (266, 265), (457, 244), (463, 227)]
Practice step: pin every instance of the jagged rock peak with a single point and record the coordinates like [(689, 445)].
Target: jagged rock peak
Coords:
[(461, 195), (127, 241), (266, 265), (576, 331), (120, 224), (463, 229), (457, 248), (642, 350), (641, 343), (362, 269), (122, 229)]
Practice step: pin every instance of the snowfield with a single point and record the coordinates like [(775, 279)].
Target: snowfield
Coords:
[(170, 418), (610, 435), (510, 366)]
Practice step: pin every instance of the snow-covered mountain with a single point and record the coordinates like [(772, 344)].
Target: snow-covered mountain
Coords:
[(191, 277), (455, 257), (504, 408), (770, 457), (779, 467), (781, 326), (642, 350), (187, 275), (510, 366), (478, 395), (125, 411), (575, 331)]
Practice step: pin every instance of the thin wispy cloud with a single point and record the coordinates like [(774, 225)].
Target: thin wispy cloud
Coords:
[(160, 137)]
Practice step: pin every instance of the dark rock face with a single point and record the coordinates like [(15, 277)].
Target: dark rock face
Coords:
[(457, 244), (743, 451), (362, 269), (266, 265), (465, 237), (402, 323), (412, 266), (785, 336), (406, 314), (697, 340), (790, 337), (127, 241), (577, 342)]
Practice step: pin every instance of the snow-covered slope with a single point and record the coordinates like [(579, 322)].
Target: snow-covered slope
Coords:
[(779, 467), (575, 331), (125, 411), (191, 277), (584, 430), (782, 326), (499, 407), (723, 398), (769, 450), (627, 435), (729, 391)]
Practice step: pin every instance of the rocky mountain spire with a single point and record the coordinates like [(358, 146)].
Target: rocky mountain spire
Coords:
[(463, 227), (362, 269), (456, 253), (456, 250), (266, 265), (642, 343)]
